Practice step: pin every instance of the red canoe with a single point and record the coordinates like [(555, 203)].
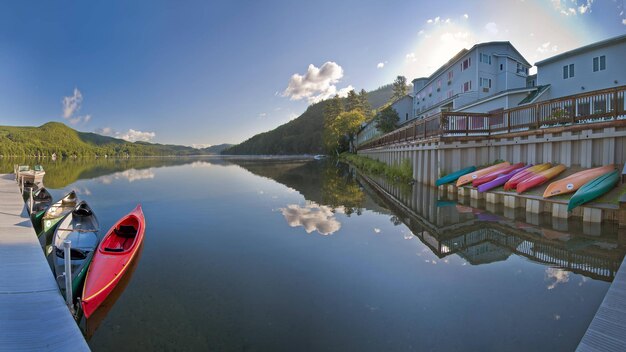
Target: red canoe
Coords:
[(110, 261), (493, 175), (540, 178), (524, 174)]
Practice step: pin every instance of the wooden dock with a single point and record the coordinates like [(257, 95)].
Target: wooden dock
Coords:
[(33, 314), (607, 331)]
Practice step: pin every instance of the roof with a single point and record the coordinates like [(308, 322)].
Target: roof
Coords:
[(496, 95), (583, 49), (404, 97), (530, 98)]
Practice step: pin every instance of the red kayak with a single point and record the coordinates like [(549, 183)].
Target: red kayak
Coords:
[(493, 175), (110, 261), (525, 174), (540, 178)]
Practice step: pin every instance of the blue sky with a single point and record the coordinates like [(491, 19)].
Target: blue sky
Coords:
[(212, 72)]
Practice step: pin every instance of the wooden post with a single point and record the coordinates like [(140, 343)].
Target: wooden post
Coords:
[(537, 116), (573, 110), (615, 114)]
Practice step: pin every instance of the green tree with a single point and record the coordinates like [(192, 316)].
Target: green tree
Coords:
[(400, 88), (352, 101), (364, 104), (348, 124), (387, 119), (330, 135)]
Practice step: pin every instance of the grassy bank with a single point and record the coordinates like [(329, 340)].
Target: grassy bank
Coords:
[(402, 172)]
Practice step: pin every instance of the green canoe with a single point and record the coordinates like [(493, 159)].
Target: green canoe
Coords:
[(593, 189), (455, 175)]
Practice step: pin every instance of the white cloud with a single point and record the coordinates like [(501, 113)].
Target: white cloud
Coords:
[(135, 135), (71, 106), (380, 65), (546, 47), (492, 28), (131, 135), (624, 21), (465, 16), (559, 276), (572, 8), (343, 92), (262, 115), (316, 84), (312, 217), (130, 175), (410, 57), (200, 145)]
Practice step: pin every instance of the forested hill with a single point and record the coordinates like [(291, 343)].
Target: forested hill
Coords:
[(302, 135), (55, 137)]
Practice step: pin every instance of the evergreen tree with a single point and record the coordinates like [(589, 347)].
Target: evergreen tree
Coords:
[(400, 88), (352, 101), (387, 119), (364, 104), (333, 108)]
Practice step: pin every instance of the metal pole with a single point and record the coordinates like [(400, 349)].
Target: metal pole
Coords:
[(67, 244), (30, 206)]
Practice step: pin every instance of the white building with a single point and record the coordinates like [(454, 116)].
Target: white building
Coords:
[(487, 70), (592, 67)]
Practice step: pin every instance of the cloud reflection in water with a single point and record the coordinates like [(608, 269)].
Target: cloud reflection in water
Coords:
[(313, 217)]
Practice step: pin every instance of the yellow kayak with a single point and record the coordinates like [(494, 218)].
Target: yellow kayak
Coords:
[(467, 178), (574, 182)]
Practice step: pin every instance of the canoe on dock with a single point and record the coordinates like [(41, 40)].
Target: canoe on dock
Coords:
[(34, 176), (573, 182), (116, 251), (42, 200), (493, 175), (519, 177), (449, 178), (81, 228), (56, 212), (540, 178), (500, 180), (593, 189), (469, 177)]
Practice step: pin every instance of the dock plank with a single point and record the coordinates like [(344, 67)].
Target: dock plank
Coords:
[(33, 315), (607, 331)]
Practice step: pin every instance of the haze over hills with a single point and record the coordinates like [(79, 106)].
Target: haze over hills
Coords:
[(55, 137), (302, 135)]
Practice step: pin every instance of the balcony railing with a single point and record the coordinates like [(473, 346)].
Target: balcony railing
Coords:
[(590, 107)]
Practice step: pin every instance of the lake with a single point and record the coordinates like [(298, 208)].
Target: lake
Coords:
[(302, 255)]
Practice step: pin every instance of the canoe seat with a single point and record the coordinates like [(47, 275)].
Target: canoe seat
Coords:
[(82, 212), (126, 231), (107, 249)]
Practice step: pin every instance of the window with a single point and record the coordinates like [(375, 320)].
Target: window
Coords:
[(599, 63), (407, 117), (484, 58), (450, 93), (467, 86), (450, 75), (466, 64), (438, 85), (521, 68), (501, 67), (568, 71), (485, 82)]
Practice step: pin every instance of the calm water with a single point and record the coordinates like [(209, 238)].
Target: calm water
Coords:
[(299, 256)]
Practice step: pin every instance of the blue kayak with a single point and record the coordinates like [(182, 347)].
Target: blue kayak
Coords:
[(593, 189), (455, 175)]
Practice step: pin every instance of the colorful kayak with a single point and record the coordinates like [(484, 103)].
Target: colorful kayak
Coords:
[(574, 182), (531, 171), (81, 228), (467, 178), (593, 189), (116, 251), (540, 178), (454, 176), (493, 175), (500, 180)]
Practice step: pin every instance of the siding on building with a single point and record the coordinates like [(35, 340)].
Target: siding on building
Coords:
[(550, 71)]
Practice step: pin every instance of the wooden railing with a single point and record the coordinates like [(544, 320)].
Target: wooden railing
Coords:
[(590, 107)]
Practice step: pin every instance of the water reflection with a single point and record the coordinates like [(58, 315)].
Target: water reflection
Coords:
[(313, 217), (131, 175)]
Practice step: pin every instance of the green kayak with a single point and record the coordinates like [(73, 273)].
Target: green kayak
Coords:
[(593, 189), (455, 175)]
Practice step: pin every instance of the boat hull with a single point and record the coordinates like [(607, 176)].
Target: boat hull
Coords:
[(593, 189), (573, 182), (530, 172), (540, 178), (493, 175), (454, 176), (109, 265), (500, 180), (467, 178)]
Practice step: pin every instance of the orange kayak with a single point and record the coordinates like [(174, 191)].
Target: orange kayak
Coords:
[(522, 175), (467, 178), (574, 182), (540, 178)]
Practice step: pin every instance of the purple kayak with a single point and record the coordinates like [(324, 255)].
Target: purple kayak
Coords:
[(500, 180)]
